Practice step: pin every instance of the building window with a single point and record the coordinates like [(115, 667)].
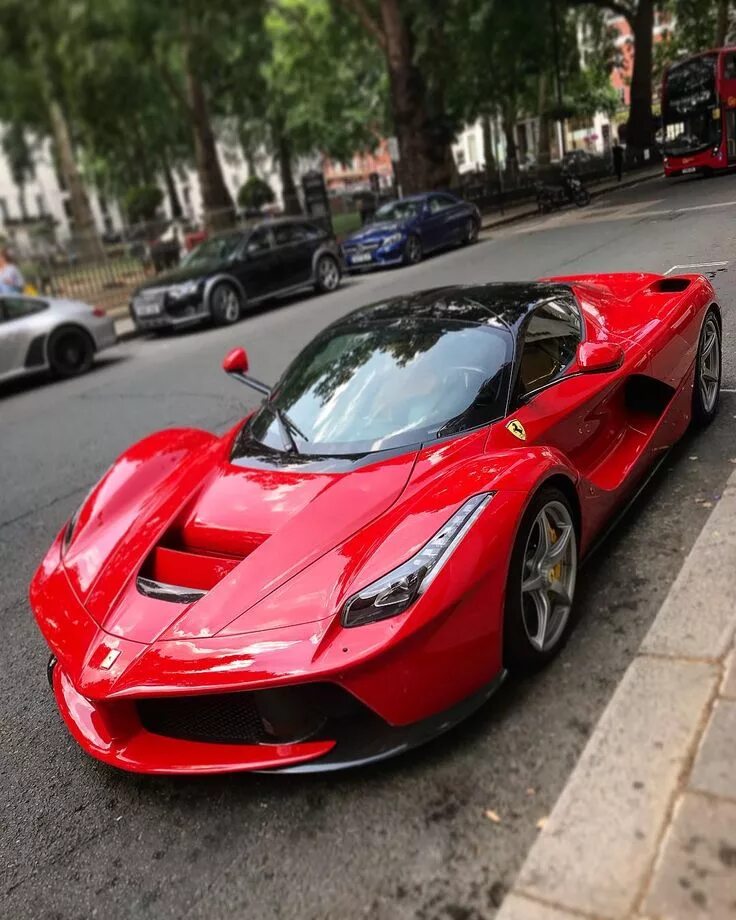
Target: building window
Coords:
[(40, 205), (472, 148), (460, 157)]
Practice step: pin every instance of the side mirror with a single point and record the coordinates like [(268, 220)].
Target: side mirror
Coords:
[(594, 357), (235, 362)]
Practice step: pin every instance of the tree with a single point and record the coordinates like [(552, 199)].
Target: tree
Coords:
[(254, 193), (423, 129), (639, 14), (142, 202), (19, 156)]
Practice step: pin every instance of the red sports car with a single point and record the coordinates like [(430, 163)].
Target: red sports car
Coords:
[(355, 566)]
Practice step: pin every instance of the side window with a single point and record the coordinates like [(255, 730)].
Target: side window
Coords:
[(18, 307), (550, 343), (284, 234), (259, 241), (440, 203), (308, 232)]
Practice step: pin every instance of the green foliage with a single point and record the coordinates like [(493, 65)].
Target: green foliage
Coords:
[(142, 202), (696, 30), (255, 193)]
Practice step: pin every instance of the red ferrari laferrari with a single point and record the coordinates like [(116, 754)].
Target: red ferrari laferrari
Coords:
[(355, 567)]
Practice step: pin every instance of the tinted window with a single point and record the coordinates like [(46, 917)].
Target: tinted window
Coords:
[(440, 203), (550, 343), (399, 210), (259, 241), (18, 307), (690, 111), (368, 387), (284, 234), (218, 249)]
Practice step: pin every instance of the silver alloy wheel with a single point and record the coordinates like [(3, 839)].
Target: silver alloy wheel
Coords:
[(329, 274), (709, 369), (413, 250), (227, 303), (548, 576)]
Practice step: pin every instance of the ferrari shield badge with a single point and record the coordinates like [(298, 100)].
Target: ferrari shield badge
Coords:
[(517, 429)]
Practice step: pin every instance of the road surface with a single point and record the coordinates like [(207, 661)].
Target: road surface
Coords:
[(407, 839)]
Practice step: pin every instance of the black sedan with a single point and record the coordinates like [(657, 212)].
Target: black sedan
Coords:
[(230, 272)]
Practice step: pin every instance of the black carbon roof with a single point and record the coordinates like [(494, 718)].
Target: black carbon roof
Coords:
[(493, 304)]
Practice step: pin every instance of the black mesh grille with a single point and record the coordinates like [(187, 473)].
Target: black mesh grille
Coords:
[(229, 718), (284, 714)]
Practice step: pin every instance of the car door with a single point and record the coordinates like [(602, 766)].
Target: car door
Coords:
[(293, 254), (441, 222), (255, 267), (20, 323)]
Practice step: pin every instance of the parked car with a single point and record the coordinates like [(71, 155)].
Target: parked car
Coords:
[(232, 271), (48, 333), (403, 231)]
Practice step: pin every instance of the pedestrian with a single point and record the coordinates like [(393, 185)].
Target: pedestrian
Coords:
[(618, 158), (11, 279)]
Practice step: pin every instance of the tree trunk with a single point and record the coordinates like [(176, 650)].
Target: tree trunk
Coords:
[(288, 186), (488, 154), (512, 157), (639, 131), (721, 24), (425, 161), (174, 201), (86, 240), (219, 211), (543, 142)]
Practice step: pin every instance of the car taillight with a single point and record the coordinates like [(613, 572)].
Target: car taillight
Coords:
[(98, 311)]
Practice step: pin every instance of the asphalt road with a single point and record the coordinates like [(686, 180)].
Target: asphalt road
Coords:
[(407, 839)]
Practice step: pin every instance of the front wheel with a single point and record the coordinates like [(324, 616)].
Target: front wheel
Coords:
[(225, 304), (708, 367), (70, 352), (541, 583), (470, 232), (413, 250), (328, 275)]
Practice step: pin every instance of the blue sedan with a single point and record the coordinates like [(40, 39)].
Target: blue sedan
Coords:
[(402, 231)]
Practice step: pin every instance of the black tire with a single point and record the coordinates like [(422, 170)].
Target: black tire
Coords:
[(519, 654), (70, 351), (412, 250), (327, 274), (582, 197), (226, 304), (705, 405), (470, 232)]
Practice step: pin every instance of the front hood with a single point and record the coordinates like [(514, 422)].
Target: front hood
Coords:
[(377, 231), (261, 527), (181, 274)]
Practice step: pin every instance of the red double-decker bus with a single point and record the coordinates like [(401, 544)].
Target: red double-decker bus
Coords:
[(699, 113)]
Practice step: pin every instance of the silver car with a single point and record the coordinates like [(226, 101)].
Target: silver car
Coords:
[(47, 333)]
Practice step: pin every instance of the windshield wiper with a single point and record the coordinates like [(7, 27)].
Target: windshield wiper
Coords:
[(287, 429)]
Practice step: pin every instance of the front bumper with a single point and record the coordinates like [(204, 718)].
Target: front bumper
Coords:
[(171, 314), (366, 259)]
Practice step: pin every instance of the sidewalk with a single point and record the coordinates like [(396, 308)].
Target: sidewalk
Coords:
[(646, 826)]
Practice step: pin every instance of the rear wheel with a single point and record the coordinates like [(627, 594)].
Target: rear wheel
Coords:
[(582, 197), (413, 250), (328, 274), (707, 388), (225, 304), (541, 583), (70, 351)]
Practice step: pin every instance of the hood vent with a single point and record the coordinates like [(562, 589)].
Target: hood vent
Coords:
[(182, 576)]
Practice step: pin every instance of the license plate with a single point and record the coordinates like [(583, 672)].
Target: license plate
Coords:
[(147, 309), (689, 169), (360, 257)]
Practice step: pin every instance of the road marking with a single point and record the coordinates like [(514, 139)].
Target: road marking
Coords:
[(727, 390), (713, 265)]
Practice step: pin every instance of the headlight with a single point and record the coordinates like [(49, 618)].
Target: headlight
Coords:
[(393, 593), (392, 240), (183, 290)]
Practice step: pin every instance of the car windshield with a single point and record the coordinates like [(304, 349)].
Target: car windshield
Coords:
[(691, 117), (381, 385), (217, 249), (398, 210)]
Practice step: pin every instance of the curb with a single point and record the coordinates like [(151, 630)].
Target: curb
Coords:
[(605, 842)]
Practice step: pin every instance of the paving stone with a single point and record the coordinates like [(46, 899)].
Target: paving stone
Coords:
[(697, 617), (695, 876), (594, 851), (517, 907), (715, 766), (729, 682)]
